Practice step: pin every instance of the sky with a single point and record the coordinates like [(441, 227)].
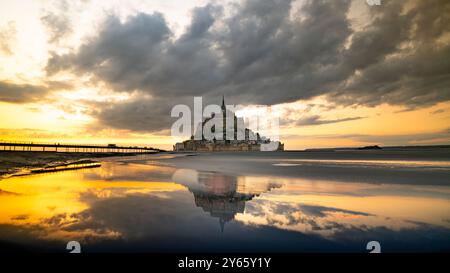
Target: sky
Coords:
[(341, 73)]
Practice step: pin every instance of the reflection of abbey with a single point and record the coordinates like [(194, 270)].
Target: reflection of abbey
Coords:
[(222, 196), (234, 137)]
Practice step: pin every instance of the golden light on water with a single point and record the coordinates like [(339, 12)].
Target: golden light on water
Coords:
[(368, 81), (54, 204), (31, 199)]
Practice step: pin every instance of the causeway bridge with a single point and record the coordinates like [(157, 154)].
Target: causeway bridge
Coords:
[(72, 148)]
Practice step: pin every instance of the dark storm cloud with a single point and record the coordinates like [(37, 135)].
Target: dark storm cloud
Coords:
[(25, 93), (399, 58), (21, 93), (273, 59), (147, 114), (139, 55), (268, 52)]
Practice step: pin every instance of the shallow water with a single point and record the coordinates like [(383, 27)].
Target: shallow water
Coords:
[(276, 202)]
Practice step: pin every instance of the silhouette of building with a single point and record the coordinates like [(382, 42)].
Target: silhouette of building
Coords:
[(234, 136)]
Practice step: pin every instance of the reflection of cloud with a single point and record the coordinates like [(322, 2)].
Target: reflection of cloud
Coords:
[(131, 172), (2, 192), (127, 217), (320, 211), (147, 222), (147, 216), (223, 196), (326, 221)]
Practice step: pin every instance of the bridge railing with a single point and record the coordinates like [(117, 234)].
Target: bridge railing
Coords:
[(71, 145)]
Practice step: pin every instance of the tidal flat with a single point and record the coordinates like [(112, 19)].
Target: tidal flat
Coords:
[(235, 202)]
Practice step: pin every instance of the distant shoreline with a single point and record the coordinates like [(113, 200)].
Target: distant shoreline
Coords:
[(336, 149), (371, 148)]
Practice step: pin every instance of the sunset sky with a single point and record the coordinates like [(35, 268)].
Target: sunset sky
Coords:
[(342, 73)]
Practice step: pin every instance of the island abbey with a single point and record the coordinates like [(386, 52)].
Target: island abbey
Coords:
[(230, 135)]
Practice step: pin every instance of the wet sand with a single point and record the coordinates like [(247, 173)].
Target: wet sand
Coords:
[(234, 202), (13, 162), (409, 166)]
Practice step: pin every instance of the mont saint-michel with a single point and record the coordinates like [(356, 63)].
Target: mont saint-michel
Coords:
[(228, 136), (239, 129)]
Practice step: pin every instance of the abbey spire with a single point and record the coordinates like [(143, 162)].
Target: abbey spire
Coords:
[(223, 103)]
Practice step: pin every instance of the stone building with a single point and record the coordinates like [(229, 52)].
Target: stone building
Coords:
[(242, 139)]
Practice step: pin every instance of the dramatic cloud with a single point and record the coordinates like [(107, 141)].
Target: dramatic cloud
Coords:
[(317, 120), (429, 138), (146, 114), (138, 55), (21, 93), (58, 23), (270, 52), (25, 93), (402, 58)]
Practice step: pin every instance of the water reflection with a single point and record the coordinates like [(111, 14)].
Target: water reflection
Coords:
[(137, 206), (223, 196)]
